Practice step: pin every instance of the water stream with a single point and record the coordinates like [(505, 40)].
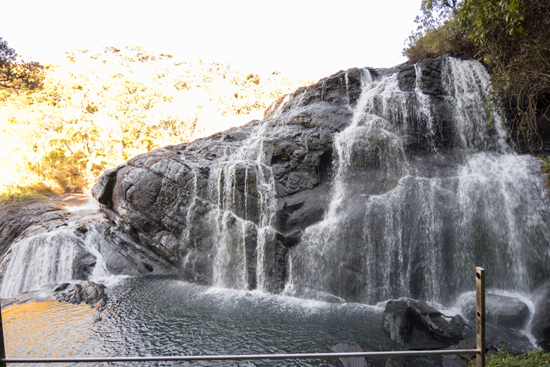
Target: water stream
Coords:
[(414, 206)]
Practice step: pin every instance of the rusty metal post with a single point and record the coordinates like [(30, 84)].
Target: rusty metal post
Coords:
[(480, 316), (2, 348)]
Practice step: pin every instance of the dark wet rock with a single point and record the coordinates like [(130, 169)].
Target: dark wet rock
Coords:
[(453, 361), (540, 324), (400, 316), (61, 287), (397, 321), (349, 347), (433, 321), (466, 344), (395, 362), (167, 202), (500, 310), (90, 293), (500, 337), (290, 239), (97, 317)]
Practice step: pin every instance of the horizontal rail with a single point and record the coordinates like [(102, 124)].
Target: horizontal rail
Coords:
[(414, 353)]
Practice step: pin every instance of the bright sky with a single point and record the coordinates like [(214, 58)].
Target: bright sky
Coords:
[(303, 38)]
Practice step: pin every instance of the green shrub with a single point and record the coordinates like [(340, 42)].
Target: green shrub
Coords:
[(448, 38), (503, 358), (22, 197)]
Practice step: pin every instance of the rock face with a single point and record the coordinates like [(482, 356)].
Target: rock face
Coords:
[(90, 293), (372, 184), (182, 200), (351, 187), (24, 219)]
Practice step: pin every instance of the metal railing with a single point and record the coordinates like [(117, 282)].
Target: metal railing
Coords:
[(479, 350)]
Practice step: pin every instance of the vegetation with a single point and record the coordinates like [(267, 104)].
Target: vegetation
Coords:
[(503, 358), (97, 109), (15, 73), (22, 197), (438, 32)]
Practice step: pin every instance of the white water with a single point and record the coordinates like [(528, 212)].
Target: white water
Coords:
[(53, 257), (415, 222), (408, 215)]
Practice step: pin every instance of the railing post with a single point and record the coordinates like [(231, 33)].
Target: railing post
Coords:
[(480, 316), (2, 348)]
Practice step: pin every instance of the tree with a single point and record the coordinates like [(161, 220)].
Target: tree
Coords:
[(438, 32), (513, 37), (17, 74)]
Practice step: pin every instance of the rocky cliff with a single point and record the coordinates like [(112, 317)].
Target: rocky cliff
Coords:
[(170, 199), (251, 207), (369, 185)]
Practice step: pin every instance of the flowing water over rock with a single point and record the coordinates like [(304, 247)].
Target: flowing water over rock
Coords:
[(413, 222), (371, 184)]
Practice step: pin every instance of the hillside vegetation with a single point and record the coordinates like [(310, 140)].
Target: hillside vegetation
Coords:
[(512, 37), (97, 109)]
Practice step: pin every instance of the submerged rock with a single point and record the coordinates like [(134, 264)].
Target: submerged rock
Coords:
[(90, 293), (349, 347)]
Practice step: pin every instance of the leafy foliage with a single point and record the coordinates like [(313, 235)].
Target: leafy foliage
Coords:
[(97, 109), (438, 32), (514, 39), (18, 74), (22, 197), (503, 358), (448, 38)]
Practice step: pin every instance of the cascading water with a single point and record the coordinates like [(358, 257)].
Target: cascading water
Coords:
[(415, 201), (64, 254), (413, 219), (241, 186), (414, 184)]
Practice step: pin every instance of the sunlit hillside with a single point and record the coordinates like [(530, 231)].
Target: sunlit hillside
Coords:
[(98, 109)]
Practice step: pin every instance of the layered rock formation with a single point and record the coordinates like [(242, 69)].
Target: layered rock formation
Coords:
[(400, 152), (172, 199), (368, 185)]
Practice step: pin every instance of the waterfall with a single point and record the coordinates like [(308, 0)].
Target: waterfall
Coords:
[(65, 254), (413, 219), (241, 186), (421, 187)]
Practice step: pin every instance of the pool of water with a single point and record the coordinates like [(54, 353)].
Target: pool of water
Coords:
[(163, 316)]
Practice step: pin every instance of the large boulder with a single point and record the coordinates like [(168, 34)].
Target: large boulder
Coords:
[(500, 310), (397, 320), (401, 316), (90, 293)]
